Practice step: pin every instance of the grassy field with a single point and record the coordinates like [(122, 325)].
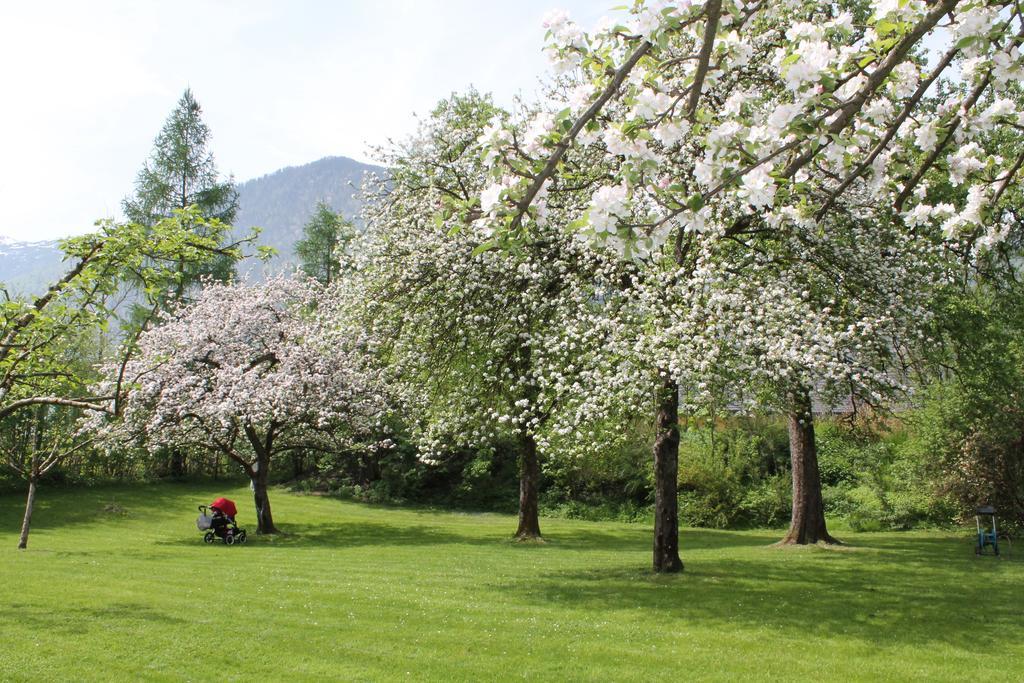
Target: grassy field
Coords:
[(117, 585)]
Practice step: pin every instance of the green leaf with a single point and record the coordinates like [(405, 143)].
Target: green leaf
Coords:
[(885, 27), (486, 246), (581, 222), (695, 202), (966, 41)]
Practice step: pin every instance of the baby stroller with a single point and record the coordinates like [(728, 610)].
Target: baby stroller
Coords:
[(218, 521)]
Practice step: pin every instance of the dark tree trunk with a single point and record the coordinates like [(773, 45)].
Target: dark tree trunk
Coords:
[(808, 521), (529, 484), (666, 478), (264, 517), (298, 464), (259, 474), (177, 463), (30, 504)]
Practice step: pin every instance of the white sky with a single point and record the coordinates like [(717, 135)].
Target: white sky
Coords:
[(86, 85)]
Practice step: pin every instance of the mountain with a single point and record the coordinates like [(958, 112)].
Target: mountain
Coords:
[(29, 267), (280, 203)]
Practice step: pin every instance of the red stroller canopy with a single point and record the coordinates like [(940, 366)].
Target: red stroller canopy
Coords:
[(226, 506)]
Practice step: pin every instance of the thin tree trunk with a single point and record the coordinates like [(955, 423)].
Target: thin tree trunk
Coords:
[(529, 485), (33, 475), (807, 524), (30, 504), (666, 478)]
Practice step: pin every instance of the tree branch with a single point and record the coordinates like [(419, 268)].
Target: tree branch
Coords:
[(523, 205), (714, 12)]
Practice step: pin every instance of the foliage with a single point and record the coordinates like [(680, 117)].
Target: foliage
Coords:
[(323, 249), (737, 475), (610, 482), (181, 173), (879, 480), (971, 441), (734, 475), (43, 339)]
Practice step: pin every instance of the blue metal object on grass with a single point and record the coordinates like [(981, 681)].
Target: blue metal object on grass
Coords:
[(987, 534)]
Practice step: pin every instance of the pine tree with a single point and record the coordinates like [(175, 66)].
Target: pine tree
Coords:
[(180, 173), (324, 239)]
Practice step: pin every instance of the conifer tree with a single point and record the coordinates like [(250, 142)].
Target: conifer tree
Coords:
[(179, 173), (324, 237)]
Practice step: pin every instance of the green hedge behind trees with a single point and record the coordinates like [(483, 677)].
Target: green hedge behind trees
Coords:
[(924, 468), (734, 473)]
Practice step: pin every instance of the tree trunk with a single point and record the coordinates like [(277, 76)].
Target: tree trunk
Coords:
[(177, 463), (264, 518), (666, 478), (808, 521), (30, 504), (259, 474), (529, 483)]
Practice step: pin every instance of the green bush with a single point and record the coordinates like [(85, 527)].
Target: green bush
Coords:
[(735, 475), (616, 477)]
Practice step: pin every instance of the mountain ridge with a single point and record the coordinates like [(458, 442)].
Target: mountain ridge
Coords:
[(280, 203)]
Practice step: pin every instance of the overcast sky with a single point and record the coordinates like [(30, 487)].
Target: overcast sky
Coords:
[(87, 85)]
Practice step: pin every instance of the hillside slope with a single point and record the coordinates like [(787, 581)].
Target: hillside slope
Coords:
[(280, 203)]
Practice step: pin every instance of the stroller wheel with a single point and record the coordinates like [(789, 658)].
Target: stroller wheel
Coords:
[(209, 537), (229, 539), (240, 538)]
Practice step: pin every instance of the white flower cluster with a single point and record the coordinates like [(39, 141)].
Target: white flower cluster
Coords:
[(246, 367)]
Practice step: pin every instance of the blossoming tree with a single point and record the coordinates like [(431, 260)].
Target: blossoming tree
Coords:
[(250, 372), (488, 344), (722, 121)]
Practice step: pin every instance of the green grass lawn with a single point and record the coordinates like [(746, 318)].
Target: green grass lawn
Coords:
[(117, 585)]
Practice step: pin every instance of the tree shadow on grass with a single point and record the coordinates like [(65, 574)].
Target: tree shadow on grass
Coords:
[(58, 507), (640, 537), (361, 533), (871, 596), (353, 535), (957, 547), (69, 620)]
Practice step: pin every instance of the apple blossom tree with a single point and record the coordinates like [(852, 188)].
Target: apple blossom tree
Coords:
[(250, 372), (487, 344), (697, 124)]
